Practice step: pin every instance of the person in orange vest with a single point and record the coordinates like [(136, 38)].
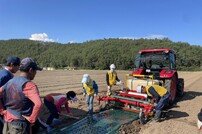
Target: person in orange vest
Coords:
[(161, 96), (112, 79)]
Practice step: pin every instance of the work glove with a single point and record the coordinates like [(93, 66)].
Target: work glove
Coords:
[(119, 83), (155, 104), (96, 96), (109, 93), (84, 94)]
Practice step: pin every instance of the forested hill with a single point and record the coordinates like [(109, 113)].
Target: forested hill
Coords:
[(98, 54)]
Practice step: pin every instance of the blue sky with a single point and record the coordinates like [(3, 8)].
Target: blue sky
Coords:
[(81, 20)]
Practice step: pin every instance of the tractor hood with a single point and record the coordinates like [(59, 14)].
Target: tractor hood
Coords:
[(163, 73), (167, 73)]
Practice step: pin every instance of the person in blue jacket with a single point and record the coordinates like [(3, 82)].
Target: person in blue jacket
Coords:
[(11, 67)]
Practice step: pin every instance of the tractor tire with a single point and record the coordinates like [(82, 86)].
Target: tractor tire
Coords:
[(168, 83), (180, 87)]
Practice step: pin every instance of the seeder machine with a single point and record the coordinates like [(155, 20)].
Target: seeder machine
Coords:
[(152, 67), (130, 99)]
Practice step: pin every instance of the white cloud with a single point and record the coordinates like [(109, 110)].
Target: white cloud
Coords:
[(152, 36), (155, 36), (71, 41), (41, 37)]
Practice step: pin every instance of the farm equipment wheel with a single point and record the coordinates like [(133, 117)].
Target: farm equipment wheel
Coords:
[(171, 87), (180, 87)]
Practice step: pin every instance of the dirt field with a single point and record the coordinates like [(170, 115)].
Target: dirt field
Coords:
[(182, 117)]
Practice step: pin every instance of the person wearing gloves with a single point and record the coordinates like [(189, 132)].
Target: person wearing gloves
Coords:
[(90, 90), (54, 102), (112, 79), (161, 96)]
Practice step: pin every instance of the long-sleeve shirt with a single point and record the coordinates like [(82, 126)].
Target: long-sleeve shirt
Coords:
[(58, 100), (5, 76), (31, 91)]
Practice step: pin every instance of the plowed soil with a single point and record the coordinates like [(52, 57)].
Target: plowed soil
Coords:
[(181, 119)]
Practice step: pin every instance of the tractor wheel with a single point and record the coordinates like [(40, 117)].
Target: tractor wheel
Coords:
[(180, 87), (169, 85)]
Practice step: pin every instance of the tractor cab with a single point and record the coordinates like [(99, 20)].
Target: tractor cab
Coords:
[(154, 62), (161, 65)]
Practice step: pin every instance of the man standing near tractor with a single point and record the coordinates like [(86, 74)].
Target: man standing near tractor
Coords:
[(112, 79)]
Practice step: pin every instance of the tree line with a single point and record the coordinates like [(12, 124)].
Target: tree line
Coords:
[(98, 54)]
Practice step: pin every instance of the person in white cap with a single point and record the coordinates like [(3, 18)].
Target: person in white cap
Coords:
[(111, 79), (90, 90)]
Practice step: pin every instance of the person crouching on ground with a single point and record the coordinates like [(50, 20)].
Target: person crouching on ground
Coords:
[(160, 94), (90, 90), (54, 102), (21, 100), (112, 79)]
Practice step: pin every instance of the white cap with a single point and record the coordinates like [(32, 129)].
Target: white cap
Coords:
[(139, 89), (85, 78), (112, 66)]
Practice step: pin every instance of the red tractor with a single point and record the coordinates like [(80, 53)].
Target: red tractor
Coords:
[(161, 63), (152, 67)]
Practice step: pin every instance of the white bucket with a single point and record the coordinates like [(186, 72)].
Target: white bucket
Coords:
[(199, 125)]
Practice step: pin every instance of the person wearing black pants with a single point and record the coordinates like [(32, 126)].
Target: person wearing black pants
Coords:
[(160, 94), (53, 111), (54, 102)]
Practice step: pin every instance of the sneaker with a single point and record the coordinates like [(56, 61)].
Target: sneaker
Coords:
[(49, 129), (56, 122)]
